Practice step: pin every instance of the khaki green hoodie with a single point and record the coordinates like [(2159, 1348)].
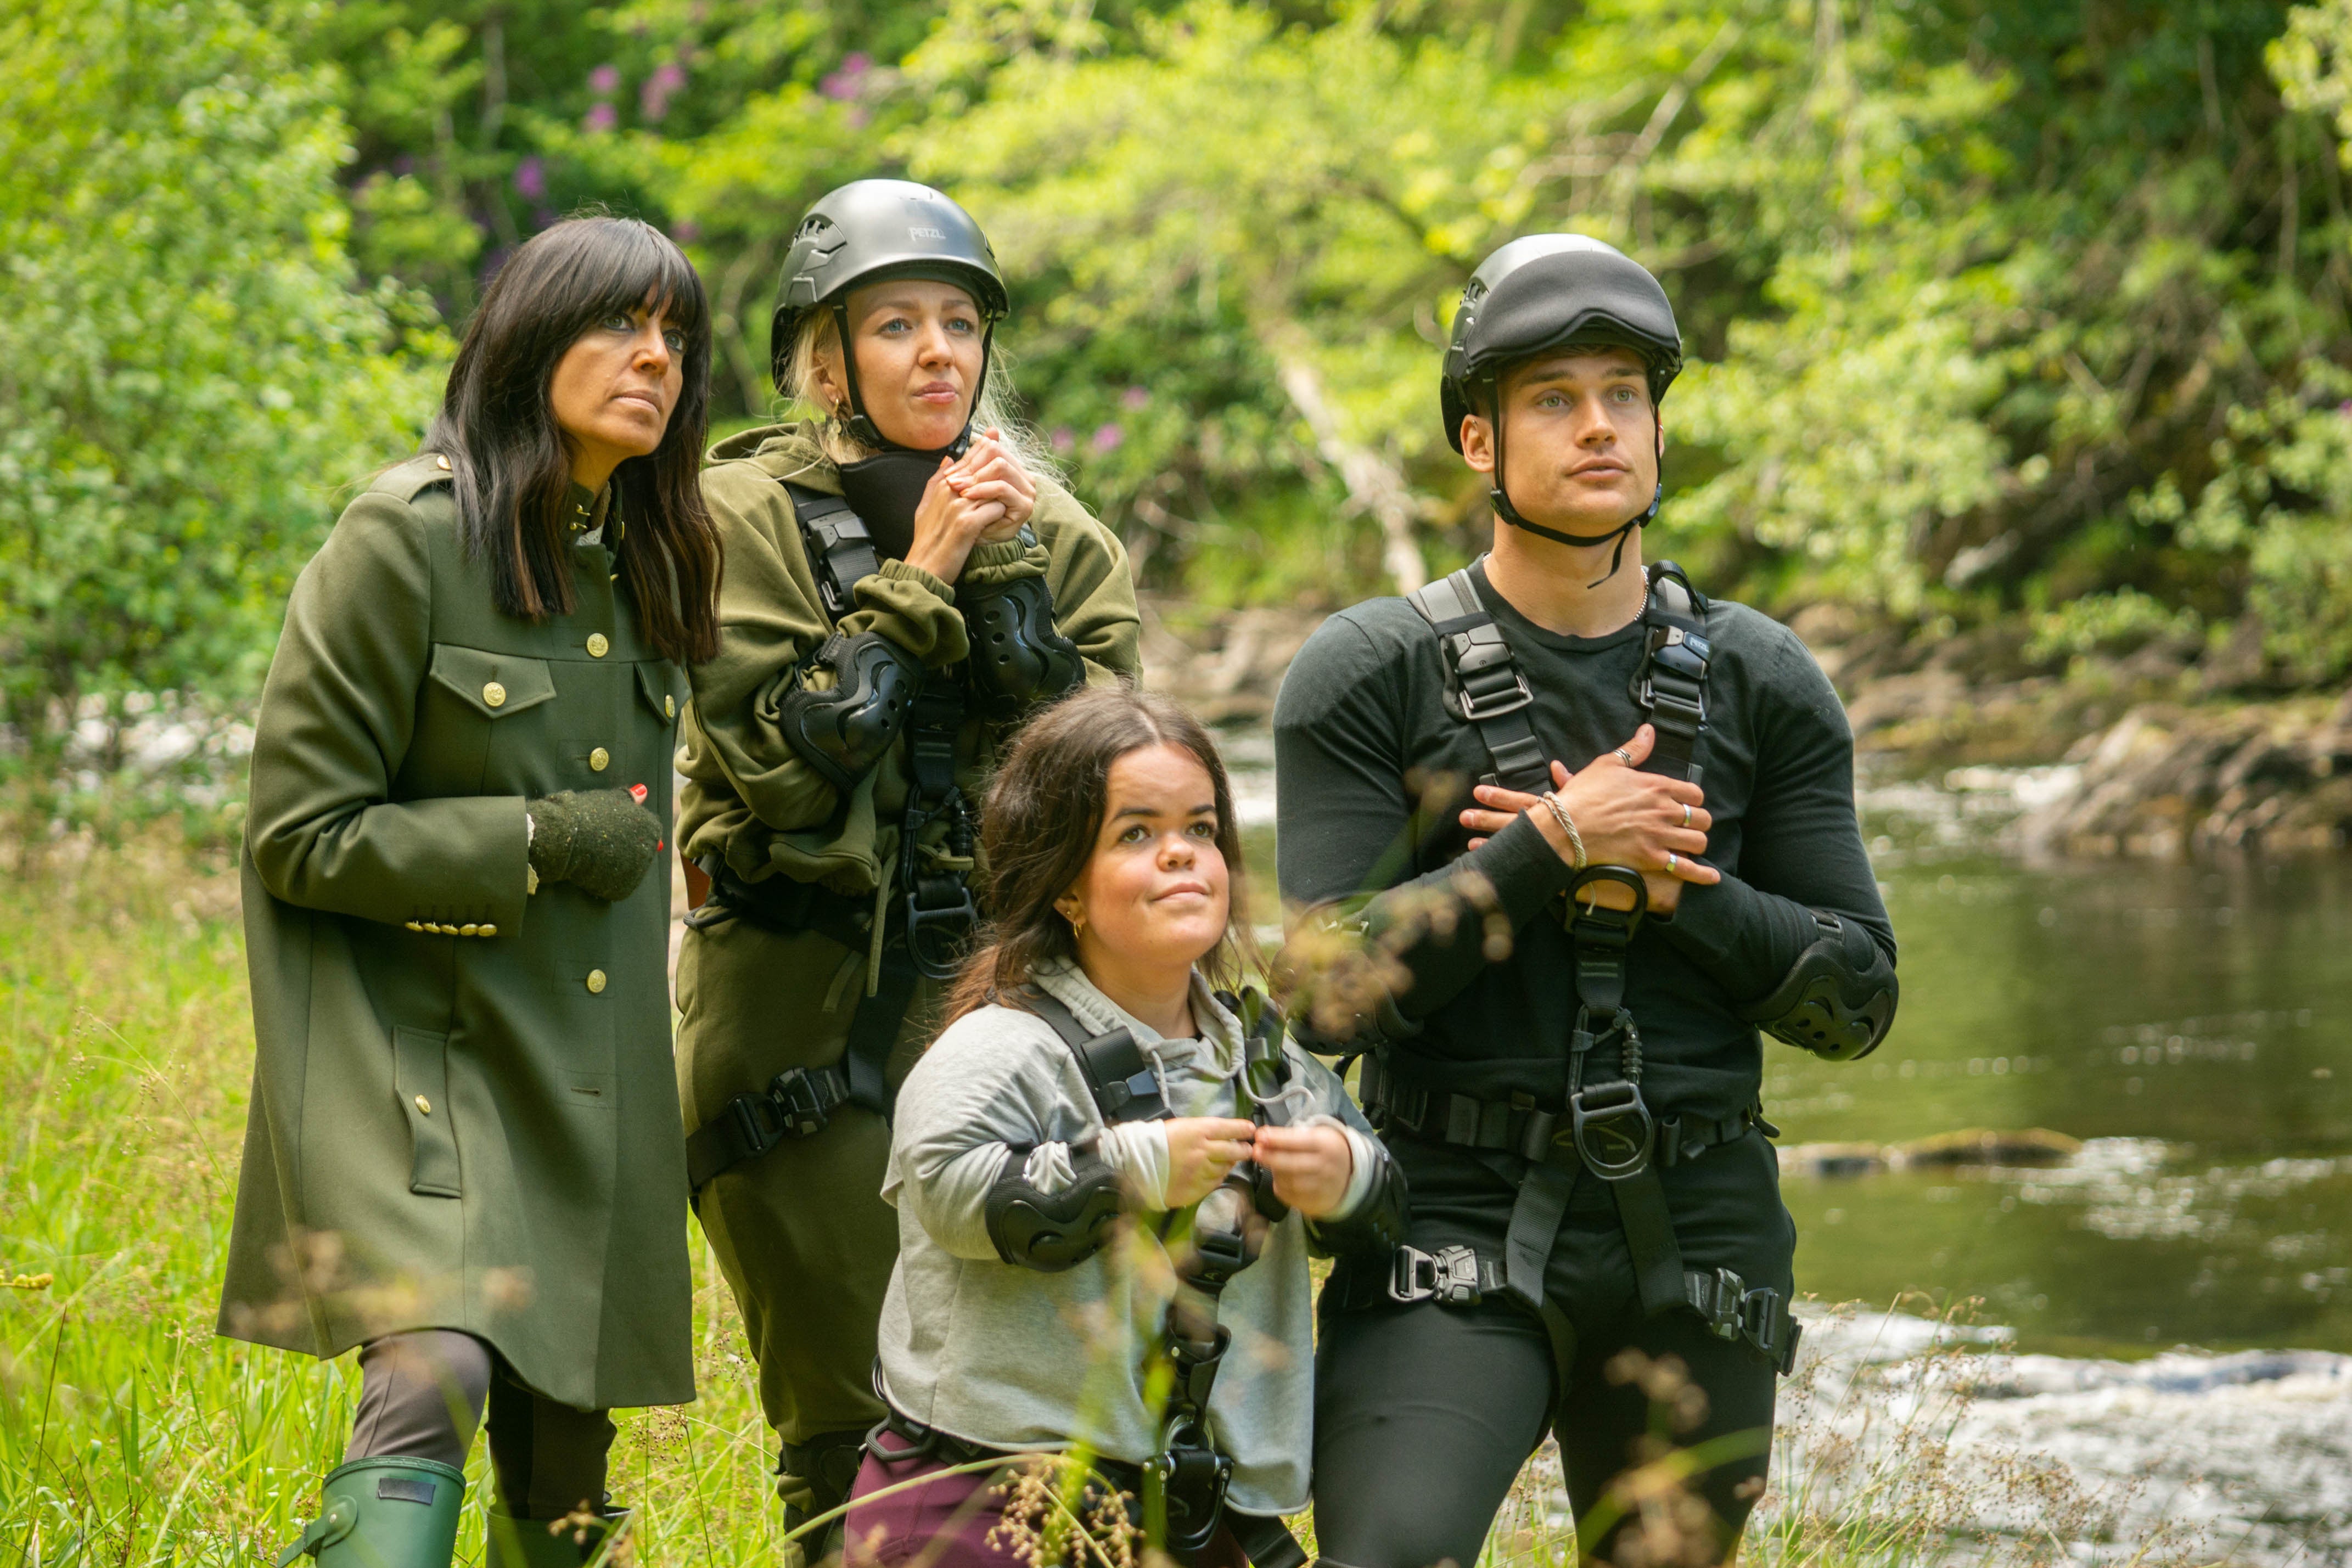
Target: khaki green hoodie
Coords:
[(749, 796)]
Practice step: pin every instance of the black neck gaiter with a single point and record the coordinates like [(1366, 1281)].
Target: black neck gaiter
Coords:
[(884, 490)]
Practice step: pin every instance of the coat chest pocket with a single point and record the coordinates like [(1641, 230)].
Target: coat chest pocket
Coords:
[(421, 1078), (487, 689)]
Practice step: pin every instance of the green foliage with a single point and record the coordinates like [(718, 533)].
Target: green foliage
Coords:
[(189, 370), (2279, 500), (1992, 307)]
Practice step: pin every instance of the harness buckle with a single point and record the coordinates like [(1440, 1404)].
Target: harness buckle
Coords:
[(938, 954), (753, 1115), (1478, 709), (1449, 1275), (1612, 1130), (1184, 1487), (799, 1105), (1723, 1302)]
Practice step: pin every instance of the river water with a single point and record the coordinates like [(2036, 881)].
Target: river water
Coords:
[(2162, 1313)]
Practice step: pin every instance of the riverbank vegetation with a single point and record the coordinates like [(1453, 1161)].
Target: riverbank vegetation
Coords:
[(2015, 326)]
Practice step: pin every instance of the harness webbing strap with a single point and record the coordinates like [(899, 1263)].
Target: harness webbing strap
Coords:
[(1671, 685), (799, 1102), (1609, 1127), (840, 546), (1535, 1215), (1462, 1277), (1484, 685), (1517, 1126)]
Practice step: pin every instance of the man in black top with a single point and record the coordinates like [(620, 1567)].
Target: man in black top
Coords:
[(1571, 1084)]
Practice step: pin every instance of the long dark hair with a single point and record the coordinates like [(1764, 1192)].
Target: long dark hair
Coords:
[(513, 468), (1039, 826)]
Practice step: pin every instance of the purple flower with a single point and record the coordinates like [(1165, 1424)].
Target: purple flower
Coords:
[(1062, 438), (685, 231), (652, 100), (1107, 438), (845, 82), (602, 118), (605, 78), (1135, 397), (545, 217), (530, 179)]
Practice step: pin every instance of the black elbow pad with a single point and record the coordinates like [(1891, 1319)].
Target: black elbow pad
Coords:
[(1018, 659), (1838, 998), (1051, 1231), (1376, 1230), (843, 733)]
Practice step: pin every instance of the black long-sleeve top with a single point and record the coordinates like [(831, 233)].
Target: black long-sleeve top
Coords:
[(1372, 774)]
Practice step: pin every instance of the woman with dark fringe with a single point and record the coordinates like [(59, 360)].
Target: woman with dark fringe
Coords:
[(463, 1154)]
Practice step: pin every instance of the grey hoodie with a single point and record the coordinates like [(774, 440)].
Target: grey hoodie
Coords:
[(1011, 1358)]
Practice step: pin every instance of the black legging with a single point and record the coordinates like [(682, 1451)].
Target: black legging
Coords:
[(421, 1395), (1424, 1414)]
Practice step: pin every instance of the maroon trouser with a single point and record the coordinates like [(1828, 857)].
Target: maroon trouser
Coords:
[(945, 1522)]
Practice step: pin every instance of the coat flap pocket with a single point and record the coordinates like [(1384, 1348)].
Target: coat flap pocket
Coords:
[(493, 684), (421, 1077), (658, 684)]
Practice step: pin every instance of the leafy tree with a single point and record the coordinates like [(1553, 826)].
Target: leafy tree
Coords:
[(189, 371)]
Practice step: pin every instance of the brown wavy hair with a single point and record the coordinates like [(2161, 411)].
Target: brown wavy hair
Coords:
[(1038, 830), (513, 464)]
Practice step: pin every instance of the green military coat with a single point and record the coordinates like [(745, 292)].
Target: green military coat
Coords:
[(464, 1113)]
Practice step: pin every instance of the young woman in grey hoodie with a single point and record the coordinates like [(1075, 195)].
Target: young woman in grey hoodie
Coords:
[(1041, 1243)]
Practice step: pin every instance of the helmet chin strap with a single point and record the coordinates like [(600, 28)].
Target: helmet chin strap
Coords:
[(1498, 495), (860, 424)]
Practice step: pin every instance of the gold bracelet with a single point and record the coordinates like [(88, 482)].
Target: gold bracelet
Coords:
[(1567, 825)]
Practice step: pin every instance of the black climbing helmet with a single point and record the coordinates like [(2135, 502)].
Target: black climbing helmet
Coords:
[(1545, 292), (866, 232)]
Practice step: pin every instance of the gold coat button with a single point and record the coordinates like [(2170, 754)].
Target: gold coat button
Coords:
[(423, 1106), (595, 982), (485, 931), (599, 644), (495, 695), (467, 930), (598, 760), (442, 463), (415, 925), (670, 707)]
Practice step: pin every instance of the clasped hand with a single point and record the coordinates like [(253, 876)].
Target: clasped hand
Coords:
[(982, 498), (1311, 1166), (1654, 824)]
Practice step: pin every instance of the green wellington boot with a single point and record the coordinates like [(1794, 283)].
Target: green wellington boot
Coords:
[(385, 1513), (529, 1543)]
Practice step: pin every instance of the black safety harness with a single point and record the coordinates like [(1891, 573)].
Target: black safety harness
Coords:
[(928, 924), (1183, 1485), (1604, 1125)]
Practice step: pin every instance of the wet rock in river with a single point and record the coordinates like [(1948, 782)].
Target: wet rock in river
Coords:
[(1831, 1159), (2167, 780), (1982, 1146)]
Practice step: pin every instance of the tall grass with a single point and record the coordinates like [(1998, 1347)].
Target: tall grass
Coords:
[(130, 1437)]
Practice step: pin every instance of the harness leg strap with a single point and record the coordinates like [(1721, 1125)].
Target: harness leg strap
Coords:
[(1535, 1221), (1650, 1243), (874, 1030)]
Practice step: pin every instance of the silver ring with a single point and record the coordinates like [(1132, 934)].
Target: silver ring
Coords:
[(1686, 813), (1671, 861), (1621, 755)]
